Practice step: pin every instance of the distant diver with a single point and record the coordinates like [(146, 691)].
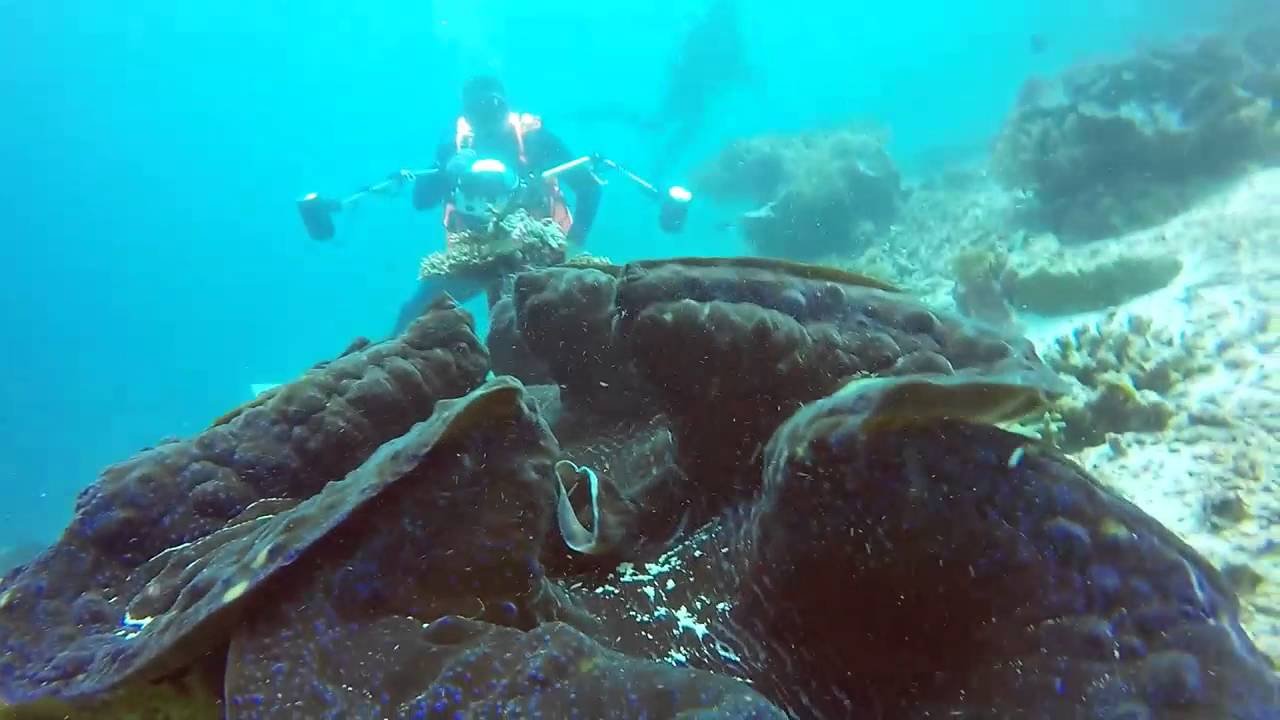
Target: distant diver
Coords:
[(710, 63)]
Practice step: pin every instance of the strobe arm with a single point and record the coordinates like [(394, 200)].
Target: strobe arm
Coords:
[(317, 210), (673, 202)]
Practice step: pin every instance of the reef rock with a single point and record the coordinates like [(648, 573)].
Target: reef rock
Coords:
[(902, 558), (507, 347), (820, 193), (409, 585), (804, 508), (1034, 591), (999, 286), (1117, 146), (281, 448), (1064, 282), (728, 348)]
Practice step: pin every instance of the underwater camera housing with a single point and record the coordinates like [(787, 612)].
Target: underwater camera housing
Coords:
[(484, 187)]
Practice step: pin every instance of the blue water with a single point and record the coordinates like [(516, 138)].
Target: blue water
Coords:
[(154, 263)]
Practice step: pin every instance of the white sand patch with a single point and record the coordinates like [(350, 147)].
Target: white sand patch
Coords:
[(1223, 447)]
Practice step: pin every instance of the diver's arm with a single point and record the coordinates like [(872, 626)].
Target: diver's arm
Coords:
[(430, 189), (585, 186)]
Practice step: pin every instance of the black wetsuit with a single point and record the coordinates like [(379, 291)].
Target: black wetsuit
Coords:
[(543, 150)]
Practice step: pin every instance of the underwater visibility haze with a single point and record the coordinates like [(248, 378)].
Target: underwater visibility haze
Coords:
[(719, 359)]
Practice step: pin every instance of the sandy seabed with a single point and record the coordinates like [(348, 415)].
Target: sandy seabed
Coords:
[(1211, 477)]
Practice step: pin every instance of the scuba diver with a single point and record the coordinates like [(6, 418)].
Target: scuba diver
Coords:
[(710, 63), (480, 163), (478, 171), (493, 163)]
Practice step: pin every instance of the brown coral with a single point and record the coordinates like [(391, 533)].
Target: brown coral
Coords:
[(1124, 370), (508, 243)]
